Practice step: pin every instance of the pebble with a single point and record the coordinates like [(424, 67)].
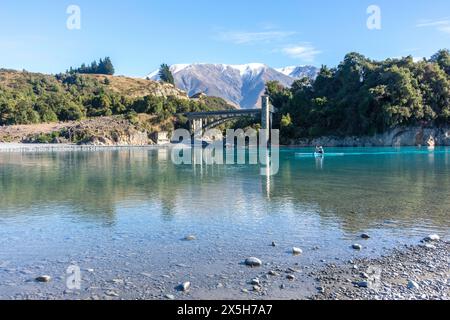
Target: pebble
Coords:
[(297, 251), (117, 281), (255, 282), (274, 244), (357, 246), (190, 238), (253, 262), (365, 236), (432, 238), (413, 285), (257, 288), (185, 286), (44, 278), (272, 273), (111, 293), (170, 296), (290, 277), (363, 284)]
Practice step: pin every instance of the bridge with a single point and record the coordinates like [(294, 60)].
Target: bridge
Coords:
[(200, 121)]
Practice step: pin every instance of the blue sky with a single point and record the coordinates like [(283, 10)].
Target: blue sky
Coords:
[(141, 34)]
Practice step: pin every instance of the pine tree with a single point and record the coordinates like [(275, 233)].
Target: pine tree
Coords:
[(166, 75), (106, 66)]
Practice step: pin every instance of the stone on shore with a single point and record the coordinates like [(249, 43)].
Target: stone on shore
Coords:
[(190, 238), (432, 238), (185, 286), (297, 251), (363, 284), (253, 262), (365, 236), (44, 278), (413, 285), (357, 246)]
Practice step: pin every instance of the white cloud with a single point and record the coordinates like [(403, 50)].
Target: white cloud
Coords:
[(242, 37), (442, 25), (305, 52)]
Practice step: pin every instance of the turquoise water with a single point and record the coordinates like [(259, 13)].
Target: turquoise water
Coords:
[(128, 209)]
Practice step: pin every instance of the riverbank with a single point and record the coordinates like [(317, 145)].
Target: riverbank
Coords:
[(398, 137), (408, 273), (418, 272), (135, 130), (51, 147)]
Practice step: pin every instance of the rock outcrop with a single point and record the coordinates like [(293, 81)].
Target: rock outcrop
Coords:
[(399, 137)]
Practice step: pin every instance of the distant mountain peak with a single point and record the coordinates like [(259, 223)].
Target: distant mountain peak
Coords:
[(239, 84), (299, 71)]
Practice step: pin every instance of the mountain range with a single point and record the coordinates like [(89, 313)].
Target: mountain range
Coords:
[(241, 85)]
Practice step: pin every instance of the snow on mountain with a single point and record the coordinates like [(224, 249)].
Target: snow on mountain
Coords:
[(242, 85), (299, 72)]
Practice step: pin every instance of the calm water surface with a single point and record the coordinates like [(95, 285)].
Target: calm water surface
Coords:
[(127, 210)]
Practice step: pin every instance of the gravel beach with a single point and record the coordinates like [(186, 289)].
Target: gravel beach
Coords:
[(409, 273), (417, 272)]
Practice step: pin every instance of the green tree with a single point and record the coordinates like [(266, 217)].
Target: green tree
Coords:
[(166, 75), (442, 58), (106, 67), (71, 112)]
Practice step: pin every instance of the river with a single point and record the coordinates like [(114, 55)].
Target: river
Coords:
[(121, 216)]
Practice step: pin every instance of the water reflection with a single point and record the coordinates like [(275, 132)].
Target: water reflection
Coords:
[(356, 193)]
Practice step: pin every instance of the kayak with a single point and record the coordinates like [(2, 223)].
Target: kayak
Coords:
[(319, 155)]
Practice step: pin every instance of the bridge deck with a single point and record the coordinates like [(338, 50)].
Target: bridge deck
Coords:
[(234, 113)]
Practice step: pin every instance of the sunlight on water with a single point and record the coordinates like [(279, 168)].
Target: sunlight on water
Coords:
[(65, 204)]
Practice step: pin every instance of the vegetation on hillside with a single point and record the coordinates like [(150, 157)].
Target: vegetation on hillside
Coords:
[(104, 66), (364, 97), (28, 98)]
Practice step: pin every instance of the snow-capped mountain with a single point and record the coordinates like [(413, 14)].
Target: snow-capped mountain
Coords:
[(299, 72), (241, 85)]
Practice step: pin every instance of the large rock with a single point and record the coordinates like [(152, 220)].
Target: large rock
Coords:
[(432, 238), (253, 262), (411, 136)]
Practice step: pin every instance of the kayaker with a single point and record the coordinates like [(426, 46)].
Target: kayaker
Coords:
[(319, 150)]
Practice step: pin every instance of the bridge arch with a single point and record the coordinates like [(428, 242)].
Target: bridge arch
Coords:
[(200, 121)]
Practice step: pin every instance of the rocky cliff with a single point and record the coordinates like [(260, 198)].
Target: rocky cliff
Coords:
[(412, 136)]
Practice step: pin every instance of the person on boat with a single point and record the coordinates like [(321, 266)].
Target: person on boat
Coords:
[(319, 150)]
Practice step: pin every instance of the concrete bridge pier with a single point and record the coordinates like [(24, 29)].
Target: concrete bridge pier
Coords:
[(266, 113), (197, 127)]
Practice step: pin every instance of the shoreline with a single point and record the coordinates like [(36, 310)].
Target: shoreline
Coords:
[(41, 147), (417, 272), (31, 147), (408, 272)]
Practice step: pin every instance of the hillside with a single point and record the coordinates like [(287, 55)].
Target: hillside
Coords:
[(23, 81), (31, 98), (137, 88)]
